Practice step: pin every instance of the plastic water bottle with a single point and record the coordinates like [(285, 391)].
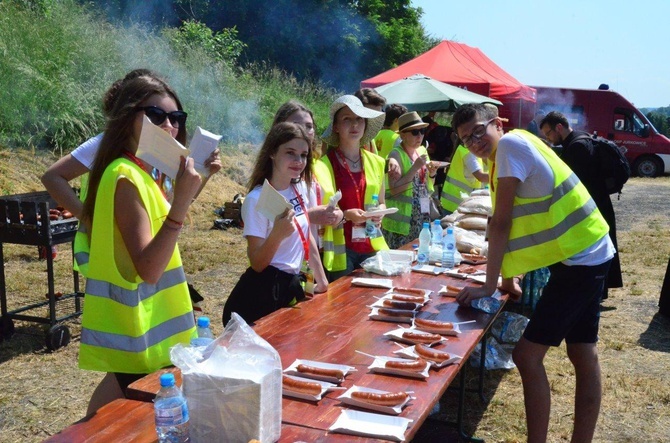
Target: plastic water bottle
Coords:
[(204, 335), (436, 232), (424, 245), (449, 249), (171, 412), (371, 229)]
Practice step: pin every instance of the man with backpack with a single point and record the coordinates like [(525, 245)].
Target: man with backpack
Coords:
[(586, 156)]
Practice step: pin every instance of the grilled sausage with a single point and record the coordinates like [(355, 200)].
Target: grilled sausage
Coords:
[(388, 399)]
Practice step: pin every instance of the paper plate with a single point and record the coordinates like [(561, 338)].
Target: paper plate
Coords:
[(367, 424), (346, 398), (293, 370)]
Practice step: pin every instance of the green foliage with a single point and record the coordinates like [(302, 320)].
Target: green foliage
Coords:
[(660, 118), (219, 46)]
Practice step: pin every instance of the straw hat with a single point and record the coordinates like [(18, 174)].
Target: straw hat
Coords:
[(375, 119), (409, 121)]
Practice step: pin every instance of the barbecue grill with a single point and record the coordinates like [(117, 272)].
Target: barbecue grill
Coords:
[(25, 220)]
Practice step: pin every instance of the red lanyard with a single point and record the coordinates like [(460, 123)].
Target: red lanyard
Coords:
[(304, 237), (139, 163), (346, 166)]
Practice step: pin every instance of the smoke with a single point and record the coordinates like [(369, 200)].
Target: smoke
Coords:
[(563, 101)]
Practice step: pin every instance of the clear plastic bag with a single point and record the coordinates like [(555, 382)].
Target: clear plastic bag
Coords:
[(233, 386), (383, 263), (509, 327), (497, 355)]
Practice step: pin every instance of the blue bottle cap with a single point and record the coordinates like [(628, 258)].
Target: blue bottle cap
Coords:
[(426, 225), (167, 380), (203, 322), (437, 222), (450, 230)]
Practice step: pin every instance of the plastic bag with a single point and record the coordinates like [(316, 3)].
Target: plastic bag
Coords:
[(382, 263), (509, 327), (490, 305), (233, 386), (497, 356)]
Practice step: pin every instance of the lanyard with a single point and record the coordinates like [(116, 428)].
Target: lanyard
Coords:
[(351, 176), (139, 163), (304, 237)]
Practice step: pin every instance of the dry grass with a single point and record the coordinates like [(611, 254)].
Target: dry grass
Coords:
[(42, 392)]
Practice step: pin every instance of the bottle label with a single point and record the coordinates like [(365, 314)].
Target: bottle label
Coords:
[(171, 414), (422, 258)]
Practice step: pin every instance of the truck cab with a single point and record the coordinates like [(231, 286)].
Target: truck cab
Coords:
[(610, 115)]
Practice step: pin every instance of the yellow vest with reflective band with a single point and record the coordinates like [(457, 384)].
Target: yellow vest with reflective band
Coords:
[(456, 182), (129, 326), (385, 141), (334, 247), (80, 246), (549, 229), (400, 221)]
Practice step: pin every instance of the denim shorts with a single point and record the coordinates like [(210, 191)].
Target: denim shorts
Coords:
[(569, 308)]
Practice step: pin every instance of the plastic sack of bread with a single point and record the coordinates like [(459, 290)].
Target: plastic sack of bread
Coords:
[(480, 192), (472, 222), (476, 205), (233, 386), (466, 240)]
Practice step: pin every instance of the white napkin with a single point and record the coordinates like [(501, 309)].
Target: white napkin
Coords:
[(271, 203), (159, 149)]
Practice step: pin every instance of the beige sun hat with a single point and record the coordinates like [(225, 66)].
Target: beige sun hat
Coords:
[(409, 121), (375, 119)]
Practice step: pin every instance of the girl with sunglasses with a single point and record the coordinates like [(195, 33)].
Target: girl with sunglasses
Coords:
[(80, 161), (137, 303), (409, 190), (279, 248)]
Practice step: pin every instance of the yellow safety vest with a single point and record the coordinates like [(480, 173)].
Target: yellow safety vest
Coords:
[(334, 246), (385, 141), (456, 182), (549, 229), (129, 326), (400, 221)]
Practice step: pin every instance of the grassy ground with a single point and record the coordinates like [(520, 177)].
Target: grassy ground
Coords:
[(43, 392)]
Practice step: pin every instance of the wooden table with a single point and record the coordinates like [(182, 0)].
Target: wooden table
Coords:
[(332, 327)]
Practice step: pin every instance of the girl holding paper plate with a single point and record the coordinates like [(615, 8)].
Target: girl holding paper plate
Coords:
[(409, 190), (358, 174), (137, 303), (279, 246)]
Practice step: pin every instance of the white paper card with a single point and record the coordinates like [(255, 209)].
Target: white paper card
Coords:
[(334, 199), (159, 149), (202, 145), (271, 203)]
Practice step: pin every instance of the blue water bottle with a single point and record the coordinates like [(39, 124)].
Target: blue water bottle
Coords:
[(449, 249), (171, 412), (424, 245)]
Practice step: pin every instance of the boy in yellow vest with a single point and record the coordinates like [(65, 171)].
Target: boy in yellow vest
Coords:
[(543, 216)]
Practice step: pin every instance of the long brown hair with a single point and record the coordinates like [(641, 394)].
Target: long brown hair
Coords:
[(279, 134), (118, 136)]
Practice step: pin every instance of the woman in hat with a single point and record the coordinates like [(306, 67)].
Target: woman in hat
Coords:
[(277, 248), (410, 190), (358, 174)]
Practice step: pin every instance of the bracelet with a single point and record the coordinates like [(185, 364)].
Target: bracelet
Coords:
[(173, 228), (344, 219), (168, 218)]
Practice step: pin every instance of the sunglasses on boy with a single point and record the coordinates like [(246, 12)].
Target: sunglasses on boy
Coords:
[(416, 132), (157, 116)]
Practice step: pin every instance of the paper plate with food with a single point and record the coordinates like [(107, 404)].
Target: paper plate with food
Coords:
[(414, 336), (376, 400), (390, 303), (437, 358), (330, 372), (436, 326), (392, 315), (400, 366), (305, 388)]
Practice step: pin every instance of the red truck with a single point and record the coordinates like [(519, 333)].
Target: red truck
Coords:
[(610, 115)]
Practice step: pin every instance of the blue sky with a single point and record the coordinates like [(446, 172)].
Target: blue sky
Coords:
[(569, 43)]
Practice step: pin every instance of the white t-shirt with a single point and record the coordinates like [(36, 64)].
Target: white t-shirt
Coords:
[(517, 158), (85, 153), (471, 164), (290, 254)]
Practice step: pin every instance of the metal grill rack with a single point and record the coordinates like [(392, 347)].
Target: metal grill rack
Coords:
[(24, 220)]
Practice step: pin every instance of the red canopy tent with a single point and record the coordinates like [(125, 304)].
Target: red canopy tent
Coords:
[(467, 67)]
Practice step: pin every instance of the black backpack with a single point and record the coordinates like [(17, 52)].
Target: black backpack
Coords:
[(614, 168)]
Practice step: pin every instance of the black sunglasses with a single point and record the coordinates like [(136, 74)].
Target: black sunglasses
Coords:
[(416, 132), (157, 116)]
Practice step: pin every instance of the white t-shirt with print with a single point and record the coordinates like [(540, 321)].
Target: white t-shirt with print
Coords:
[(290, 254)]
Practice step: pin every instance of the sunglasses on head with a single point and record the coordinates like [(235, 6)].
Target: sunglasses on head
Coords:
[(157, 116), (416, 132)]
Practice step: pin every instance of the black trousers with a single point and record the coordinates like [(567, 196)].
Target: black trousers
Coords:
[(664, 301), (258, 294)]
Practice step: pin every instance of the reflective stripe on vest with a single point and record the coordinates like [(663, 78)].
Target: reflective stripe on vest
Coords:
[(400, 222), (129, 325), (455, 182), (553, 228)]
